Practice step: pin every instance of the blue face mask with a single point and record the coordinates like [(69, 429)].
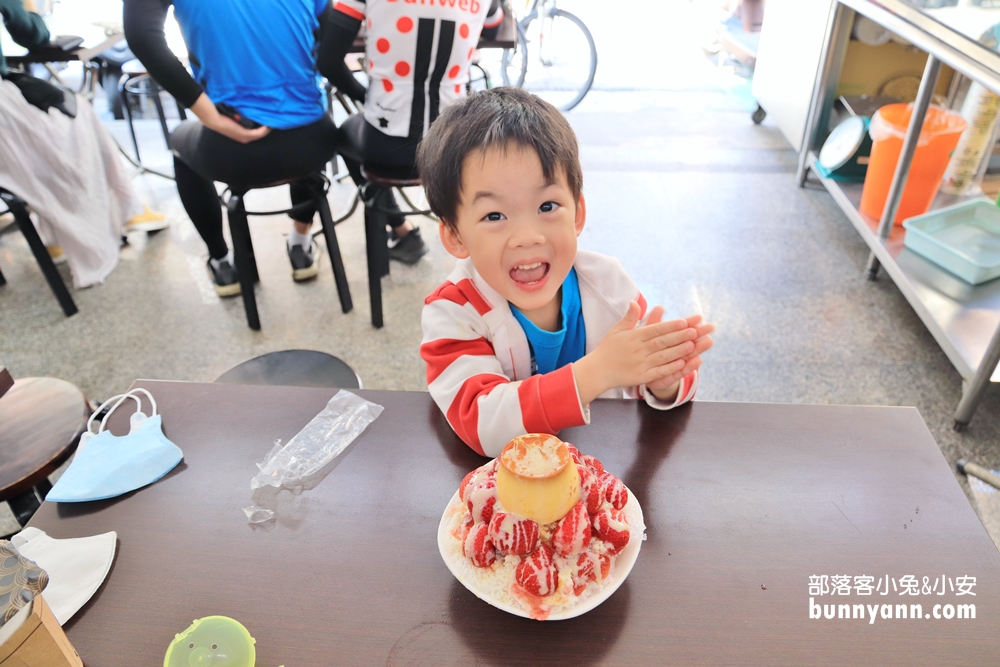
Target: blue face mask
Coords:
[(107, 465)]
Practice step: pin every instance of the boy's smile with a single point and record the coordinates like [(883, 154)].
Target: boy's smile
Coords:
[(519, 229)]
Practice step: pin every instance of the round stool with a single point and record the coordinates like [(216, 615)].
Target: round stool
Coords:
[(136, 83), (42, 419), (294, 368)]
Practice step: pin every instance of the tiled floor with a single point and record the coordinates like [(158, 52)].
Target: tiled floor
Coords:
[(700, 205)]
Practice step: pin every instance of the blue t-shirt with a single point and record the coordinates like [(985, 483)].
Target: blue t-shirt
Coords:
[(551, 350), (256, 56)]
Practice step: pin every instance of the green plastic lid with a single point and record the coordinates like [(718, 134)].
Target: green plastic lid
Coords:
[(213, 641)]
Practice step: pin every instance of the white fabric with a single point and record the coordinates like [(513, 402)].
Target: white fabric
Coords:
[(76, 566), (69, 172)]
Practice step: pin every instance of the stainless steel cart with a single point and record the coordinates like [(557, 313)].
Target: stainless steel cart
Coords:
[(964, 319)]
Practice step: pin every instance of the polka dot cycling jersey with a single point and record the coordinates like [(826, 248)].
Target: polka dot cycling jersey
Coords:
[(417, 53)]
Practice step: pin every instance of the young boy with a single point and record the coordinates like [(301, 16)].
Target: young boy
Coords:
[(527, 330)]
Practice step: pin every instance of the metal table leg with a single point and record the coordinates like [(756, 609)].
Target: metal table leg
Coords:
[(927, 84), (972, 397), (838, 34)]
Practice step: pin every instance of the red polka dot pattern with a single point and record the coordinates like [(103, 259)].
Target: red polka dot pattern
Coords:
[(405, 24), (453, 72), (463, 30), (387, 85), (382, 45), (458, 88), (403, 68), (472, 50)]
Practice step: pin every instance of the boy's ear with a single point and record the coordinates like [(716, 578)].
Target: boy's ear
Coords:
[(581, 215), (451, 241)]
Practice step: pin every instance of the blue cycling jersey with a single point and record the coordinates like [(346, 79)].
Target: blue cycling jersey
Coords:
[(258, 56)]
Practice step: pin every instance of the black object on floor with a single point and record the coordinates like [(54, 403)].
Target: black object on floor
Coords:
[(294, 368), (45, 263)]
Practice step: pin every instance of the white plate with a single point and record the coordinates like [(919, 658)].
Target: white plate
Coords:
[(619, 569)]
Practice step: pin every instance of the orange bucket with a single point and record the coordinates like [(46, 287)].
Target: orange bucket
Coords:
[(938, 138)]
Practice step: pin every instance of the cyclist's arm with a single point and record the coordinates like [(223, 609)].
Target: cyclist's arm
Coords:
[(493, 20), (339, 26), (143, 21)]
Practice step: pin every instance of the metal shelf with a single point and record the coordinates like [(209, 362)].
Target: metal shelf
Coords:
[(964, 319), (961, 317), (952, 48)]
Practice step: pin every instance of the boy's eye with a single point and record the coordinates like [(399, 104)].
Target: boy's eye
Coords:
[(548, 207), (494, 216)]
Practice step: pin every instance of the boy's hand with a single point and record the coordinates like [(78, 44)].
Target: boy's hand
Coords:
[(630, 355), (665, 388)]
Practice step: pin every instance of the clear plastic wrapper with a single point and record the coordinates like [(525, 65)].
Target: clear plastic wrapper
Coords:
[(306, 458)]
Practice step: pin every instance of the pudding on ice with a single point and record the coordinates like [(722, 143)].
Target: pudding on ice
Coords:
[(537, 478)]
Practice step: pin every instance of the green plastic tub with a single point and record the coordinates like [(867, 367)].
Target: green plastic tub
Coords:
[(963, 239)]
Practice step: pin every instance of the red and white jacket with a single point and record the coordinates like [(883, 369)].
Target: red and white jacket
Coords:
[(479, 361)]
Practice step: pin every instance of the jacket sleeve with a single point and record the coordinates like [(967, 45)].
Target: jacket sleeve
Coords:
[(26, 28), (686, 392), (466, 380)]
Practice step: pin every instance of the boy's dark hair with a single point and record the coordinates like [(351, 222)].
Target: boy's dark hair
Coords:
[(496, 118)]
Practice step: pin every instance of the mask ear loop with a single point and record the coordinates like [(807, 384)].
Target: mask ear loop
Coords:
[(121, 398), (152, 401)]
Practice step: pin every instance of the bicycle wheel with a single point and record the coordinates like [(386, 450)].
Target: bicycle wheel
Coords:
[(561, 58), (514, 62)]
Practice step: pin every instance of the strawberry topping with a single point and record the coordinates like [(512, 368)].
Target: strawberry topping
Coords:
[(611, 526), (595, 466), (537, 573), (482, 498), (614, 491), (478, 548), (572, 533), (513, 535)]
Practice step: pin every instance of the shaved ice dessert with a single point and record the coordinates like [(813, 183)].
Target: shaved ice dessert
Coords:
[(539, 528)]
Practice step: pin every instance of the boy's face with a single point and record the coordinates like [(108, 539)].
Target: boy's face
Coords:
[(519, 230)]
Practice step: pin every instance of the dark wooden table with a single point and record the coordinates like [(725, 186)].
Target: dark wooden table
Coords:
[(744, 502), (6, 381), (40, 424)]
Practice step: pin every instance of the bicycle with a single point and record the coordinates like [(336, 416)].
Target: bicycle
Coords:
[(555, 56)]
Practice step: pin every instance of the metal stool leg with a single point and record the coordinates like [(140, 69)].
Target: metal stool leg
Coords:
[(38, 249), (240, 231), (333, 248), (158, 103), (122, 83), (375, 242)]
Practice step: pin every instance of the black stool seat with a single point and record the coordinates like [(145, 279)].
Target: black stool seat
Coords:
[(294, 368), (392, 177)]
